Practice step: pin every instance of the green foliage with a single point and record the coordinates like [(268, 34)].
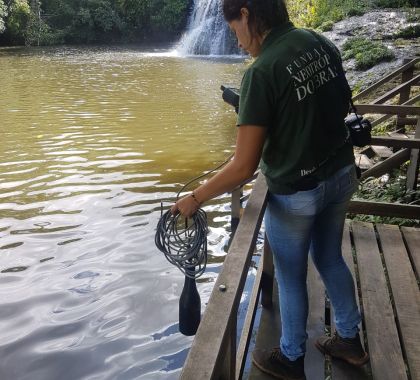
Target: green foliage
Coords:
[(326, 26), (391, 190), (412, 31), (366, 53), (17, 20), (393, 3), (315, 13), (413, 15), (91, 21), (3, 14)]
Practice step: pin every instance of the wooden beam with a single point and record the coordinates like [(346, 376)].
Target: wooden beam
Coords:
[(396, 210), (402, 121), (249, 322), (387, 165), (395, 142), (405, 94), (386, 79), (206, 357), (387, 109)]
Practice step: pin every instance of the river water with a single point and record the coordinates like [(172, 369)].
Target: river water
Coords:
[(92, 139)]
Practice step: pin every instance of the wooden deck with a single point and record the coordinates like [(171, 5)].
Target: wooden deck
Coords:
[(385, 261)]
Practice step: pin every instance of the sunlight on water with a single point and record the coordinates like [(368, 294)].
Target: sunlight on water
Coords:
[(91, 141)]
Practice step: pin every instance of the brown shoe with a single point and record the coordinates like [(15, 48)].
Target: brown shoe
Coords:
[(278, 365), (347, 349)]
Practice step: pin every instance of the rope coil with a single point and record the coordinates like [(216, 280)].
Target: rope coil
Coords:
[(184, 246)]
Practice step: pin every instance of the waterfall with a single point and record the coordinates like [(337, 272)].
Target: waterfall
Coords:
[(207, 32)]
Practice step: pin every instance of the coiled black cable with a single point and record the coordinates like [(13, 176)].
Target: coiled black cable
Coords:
[(184, 245), (183, 241)]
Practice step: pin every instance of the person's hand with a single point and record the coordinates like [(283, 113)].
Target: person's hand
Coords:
[(186, 206)]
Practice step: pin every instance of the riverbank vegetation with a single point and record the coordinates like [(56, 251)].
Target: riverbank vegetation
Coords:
[(366, 53), (322, 13), (50, 22)]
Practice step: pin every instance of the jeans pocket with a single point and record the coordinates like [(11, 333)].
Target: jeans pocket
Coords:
[(306, 202), (348, 181)]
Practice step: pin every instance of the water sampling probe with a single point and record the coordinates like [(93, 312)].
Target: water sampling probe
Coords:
[(183, 241)]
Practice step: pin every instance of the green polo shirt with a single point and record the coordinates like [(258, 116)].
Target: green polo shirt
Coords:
[(295, 90)]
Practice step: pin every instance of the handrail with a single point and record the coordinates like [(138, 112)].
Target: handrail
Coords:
[(390, 76), (213, 352)]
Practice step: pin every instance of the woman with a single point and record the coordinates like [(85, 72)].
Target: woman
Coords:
[(293, 100)]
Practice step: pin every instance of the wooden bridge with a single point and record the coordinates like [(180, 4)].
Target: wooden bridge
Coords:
[(384, 260)]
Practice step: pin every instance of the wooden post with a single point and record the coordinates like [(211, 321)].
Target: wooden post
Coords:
[(413, 167), (236, 208), (267, 278), (229, 364), (405, 93)]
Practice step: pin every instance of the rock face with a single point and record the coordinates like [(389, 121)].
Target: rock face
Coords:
[(378, 25)]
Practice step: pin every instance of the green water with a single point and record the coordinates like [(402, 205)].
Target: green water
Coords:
[(92, 139)]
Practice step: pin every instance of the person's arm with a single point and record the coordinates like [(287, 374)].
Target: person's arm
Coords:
[(249, 145)]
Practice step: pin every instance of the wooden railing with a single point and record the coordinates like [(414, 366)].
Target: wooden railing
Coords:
[(214, 353)]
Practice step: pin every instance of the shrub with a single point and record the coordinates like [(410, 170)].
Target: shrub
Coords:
[(326, 26), (366, 53), (412, 31)]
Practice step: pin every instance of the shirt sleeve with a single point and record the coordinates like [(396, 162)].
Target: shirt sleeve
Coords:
[(256, 101)]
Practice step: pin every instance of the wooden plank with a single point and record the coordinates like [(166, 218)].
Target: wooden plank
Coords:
[(340, 369), (206, 356), (382, 151), (387, 109), (384, 347), (402, 121), (314, 359), (412, 239), (405, 93), (386, 79), (387, 165), (398, 134), (405, 76), (397, 210), (249, 323), (405, 293), (396, 142), (397, 90)]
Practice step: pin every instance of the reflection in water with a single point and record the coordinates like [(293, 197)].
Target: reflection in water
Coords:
[(92, 141)]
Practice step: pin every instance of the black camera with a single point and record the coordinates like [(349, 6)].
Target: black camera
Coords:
[(359, 129), (231, 96)]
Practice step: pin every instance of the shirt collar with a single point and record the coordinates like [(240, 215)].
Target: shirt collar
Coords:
[(275, 33)]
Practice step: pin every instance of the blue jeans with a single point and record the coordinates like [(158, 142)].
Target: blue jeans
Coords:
[(312, 221)]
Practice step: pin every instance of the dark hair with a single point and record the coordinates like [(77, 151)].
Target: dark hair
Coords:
[(263, 14)]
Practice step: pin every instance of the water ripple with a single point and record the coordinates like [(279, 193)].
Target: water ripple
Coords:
[(92, 141)]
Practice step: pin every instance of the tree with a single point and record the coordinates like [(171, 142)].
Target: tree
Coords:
[(3, 14)]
